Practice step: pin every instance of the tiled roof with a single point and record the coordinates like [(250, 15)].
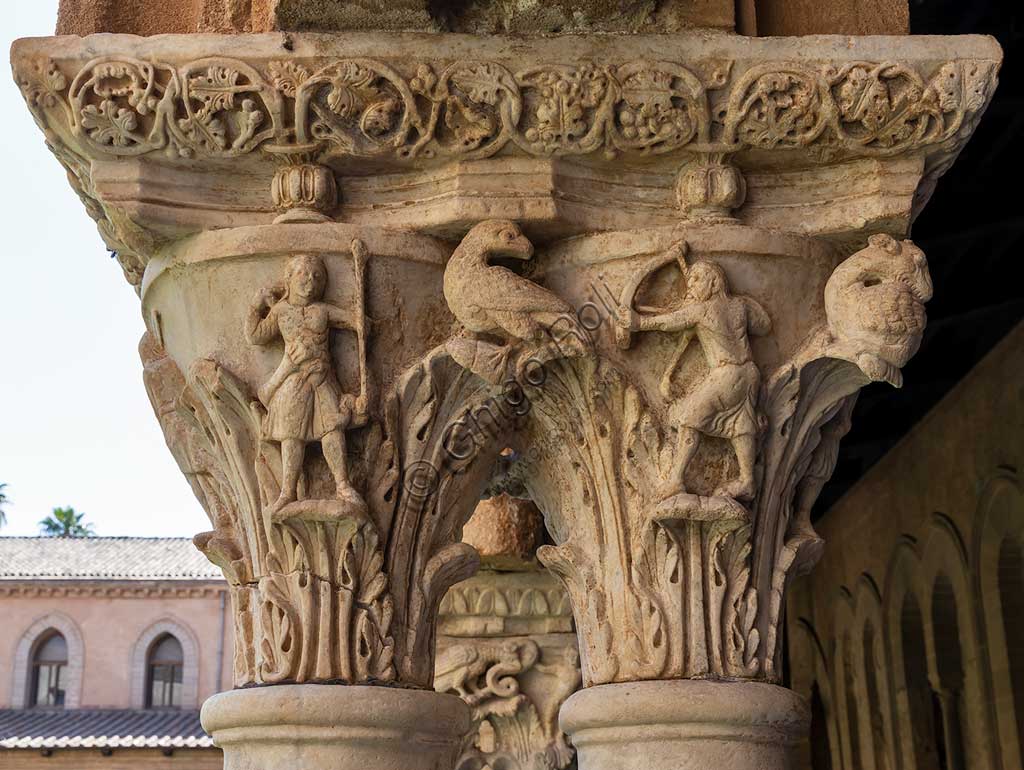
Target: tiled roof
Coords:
[(103, 558), (101, 728)]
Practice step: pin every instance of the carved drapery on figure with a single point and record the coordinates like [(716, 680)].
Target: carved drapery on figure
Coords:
[(663, 297), (676, 561), (336, 572)]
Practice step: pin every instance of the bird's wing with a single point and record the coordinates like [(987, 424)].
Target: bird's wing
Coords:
[(503, 290)]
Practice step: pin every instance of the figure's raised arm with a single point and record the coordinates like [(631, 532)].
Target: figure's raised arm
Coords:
[(340, 319), (758, 321), (677, 320), (261, 322)]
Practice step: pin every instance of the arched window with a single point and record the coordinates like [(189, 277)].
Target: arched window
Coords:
[(165, 666), (949, 662), (49, 671), (918, 689), (1011, 596)]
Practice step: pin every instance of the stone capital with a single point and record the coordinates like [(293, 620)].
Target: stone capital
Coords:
[(639, 279)]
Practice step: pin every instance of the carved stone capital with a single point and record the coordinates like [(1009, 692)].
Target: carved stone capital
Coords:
[(507, 647), (680, 435), (657, 268), (299, 375)]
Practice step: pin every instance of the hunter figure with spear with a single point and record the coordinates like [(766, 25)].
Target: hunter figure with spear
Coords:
[(303, 398)]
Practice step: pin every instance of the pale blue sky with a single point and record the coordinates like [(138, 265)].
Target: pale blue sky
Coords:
[(76, 427)]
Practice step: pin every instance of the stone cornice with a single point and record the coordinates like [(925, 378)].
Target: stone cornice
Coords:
[(166, 136), (352, 95), (123, 589)]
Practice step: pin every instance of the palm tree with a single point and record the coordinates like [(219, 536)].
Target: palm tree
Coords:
[(3, 499), (64, 522)]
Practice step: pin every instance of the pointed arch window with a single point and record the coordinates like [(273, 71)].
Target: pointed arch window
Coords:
[(164, 673), (48, 686)]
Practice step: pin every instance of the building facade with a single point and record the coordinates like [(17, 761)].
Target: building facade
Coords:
[(908, 640), (110, 646)]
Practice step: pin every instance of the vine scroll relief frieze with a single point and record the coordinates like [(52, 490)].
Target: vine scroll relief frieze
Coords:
[(414, 111)]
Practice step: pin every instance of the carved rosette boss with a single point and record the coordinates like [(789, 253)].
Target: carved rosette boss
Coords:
[(368, 266)]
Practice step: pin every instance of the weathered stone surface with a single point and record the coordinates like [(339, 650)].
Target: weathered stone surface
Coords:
[(336, 728), (839, 17), (504, 527), (657, 269), (168, 157), (527, 17), (686, 725), (506, 646)]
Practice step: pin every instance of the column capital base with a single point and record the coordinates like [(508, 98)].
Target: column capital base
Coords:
[(685, 724), (336, 727)]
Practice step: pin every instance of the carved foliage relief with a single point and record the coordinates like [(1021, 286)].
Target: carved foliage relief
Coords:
[(672, 571), (222, 107), (336, 515), (515, 689)]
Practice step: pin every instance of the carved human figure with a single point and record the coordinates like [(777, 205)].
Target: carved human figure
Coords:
[(303, 397), (724, 403)]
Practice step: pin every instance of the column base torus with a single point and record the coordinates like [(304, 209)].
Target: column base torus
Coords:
[(336, 727), (685, 725)]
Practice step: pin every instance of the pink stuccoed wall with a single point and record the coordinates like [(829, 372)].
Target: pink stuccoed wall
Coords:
[(112, 616)]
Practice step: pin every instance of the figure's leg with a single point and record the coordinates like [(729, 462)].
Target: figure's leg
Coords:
[(742, 488), (334, 452), (292, 453), (687, 443)]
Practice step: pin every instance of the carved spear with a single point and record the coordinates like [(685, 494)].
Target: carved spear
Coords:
[(359, 257)]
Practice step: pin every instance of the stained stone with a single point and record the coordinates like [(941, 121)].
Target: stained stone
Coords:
[(645, 275)]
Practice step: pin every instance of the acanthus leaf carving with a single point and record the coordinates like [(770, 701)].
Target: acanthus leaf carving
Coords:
[(676, 572), (874, 306), (338, 558)]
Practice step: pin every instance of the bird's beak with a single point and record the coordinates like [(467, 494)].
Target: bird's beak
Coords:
[(520, 248)]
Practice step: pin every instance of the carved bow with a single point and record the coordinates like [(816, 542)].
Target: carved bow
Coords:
[(623, 332)]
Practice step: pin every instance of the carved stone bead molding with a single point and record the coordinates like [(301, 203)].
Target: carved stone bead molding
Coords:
[(590, 132), (678, 440)]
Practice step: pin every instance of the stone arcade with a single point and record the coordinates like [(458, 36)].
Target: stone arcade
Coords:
[(638, 278)]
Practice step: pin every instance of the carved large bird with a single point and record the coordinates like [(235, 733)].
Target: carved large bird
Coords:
[(492, 300)]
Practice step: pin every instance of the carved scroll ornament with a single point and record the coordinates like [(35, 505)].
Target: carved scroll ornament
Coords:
[(415, 110), (515, 690)]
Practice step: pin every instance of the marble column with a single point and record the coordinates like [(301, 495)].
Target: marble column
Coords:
[(637, 278)]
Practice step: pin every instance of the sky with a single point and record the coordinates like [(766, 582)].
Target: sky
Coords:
[(76, 427)]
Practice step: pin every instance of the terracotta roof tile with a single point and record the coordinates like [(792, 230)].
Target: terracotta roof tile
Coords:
[(103, 558), (101, 728)]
